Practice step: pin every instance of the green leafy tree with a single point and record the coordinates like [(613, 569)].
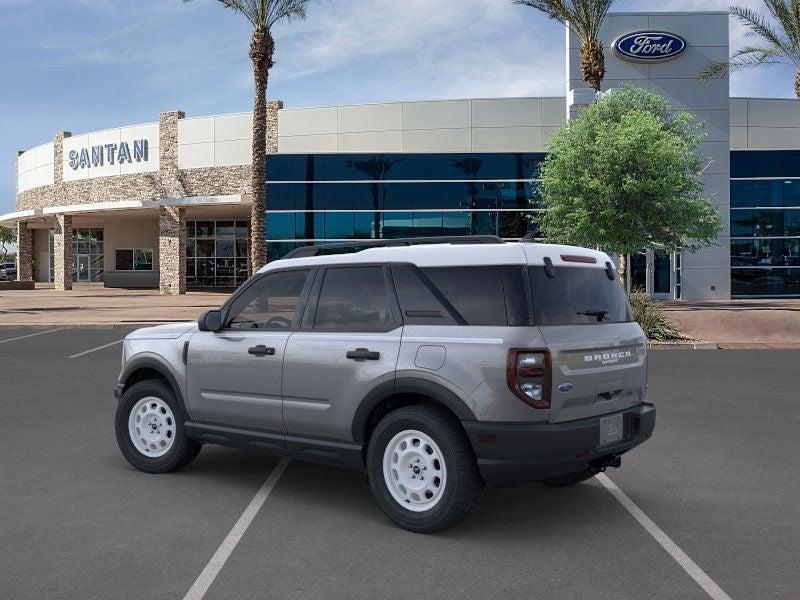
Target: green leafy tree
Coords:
[(584, 19), (8, 236), (263, 15), (625, 176), (778, 40)]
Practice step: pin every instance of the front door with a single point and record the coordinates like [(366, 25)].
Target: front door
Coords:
[(83, 268), (348, 345), (234, 375)]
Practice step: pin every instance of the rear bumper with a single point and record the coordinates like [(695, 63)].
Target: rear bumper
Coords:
[(527, 452)]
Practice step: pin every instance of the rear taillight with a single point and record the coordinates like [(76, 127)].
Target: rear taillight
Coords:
[(528, 375)]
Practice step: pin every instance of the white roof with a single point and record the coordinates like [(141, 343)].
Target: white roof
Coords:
[(453, 255)]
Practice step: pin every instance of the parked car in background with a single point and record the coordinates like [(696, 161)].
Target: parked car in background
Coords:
[(8, 271), (435, 368)]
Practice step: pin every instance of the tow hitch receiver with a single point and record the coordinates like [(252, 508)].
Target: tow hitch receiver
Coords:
[(601, 464)]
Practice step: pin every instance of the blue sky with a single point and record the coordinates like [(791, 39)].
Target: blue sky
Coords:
[(84, 65)]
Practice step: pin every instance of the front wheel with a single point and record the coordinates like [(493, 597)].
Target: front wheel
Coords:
[(149, 428), (422, 470)]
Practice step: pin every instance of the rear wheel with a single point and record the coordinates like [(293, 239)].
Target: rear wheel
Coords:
[(149, 428), (422, 470), (568, 479)]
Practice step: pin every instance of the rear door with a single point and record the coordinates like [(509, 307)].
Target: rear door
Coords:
[(348, 344), (234, 375), (597, 351)]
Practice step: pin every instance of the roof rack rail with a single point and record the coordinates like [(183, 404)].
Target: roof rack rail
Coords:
[(358, 245)]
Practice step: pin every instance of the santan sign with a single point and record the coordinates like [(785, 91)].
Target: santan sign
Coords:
[(97, 156), (649, 46)]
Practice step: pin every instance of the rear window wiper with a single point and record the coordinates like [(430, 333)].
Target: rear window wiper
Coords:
[(599, 313)]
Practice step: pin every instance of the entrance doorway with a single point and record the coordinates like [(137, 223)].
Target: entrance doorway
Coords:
[(87, 252), (655, 272)]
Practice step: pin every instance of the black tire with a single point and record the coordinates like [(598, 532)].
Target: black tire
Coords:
[(463, 484), (183, 449), (568, 479)]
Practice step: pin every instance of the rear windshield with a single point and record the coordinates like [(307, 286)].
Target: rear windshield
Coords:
[(577, 296)]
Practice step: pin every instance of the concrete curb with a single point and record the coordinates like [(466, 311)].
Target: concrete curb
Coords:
[(692, 345)]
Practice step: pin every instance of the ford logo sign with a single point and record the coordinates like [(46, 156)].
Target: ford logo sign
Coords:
[(649, 46), (565, 387)]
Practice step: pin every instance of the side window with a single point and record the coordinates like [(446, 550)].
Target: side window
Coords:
[(475, 292), (353, 299), (269, 303), (419, 304)]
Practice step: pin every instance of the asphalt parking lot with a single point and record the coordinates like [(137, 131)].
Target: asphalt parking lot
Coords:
[(719, 477)]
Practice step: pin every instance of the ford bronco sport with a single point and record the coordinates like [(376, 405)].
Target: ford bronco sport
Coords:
[(435, 367)]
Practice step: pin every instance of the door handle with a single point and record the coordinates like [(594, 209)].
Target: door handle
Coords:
[(363, 354), (261, 350)]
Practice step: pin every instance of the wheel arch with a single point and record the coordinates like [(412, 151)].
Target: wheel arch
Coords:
[(149, 367), (404, 391)]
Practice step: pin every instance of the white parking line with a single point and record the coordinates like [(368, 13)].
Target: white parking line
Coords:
[(688, 565), (214, 566), (96, 349), (22, 337)]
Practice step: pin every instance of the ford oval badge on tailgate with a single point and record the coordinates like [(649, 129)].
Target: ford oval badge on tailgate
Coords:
[(565, 387)]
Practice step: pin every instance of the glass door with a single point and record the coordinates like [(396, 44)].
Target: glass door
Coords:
[(662, 273), (83, 269)]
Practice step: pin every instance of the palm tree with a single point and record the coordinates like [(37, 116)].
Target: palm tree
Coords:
[(780, 41), (584, 19), (263, 15)]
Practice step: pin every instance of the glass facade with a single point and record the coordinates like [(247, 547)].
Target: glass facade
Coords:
[(328, 198), (765, 223), (217, 253)]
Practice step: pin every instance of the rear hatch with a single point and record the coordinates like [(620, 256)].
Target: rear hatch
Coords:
[(598, 354)]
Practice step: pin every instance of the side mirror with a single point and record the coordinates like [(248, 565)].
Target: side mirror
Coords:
[(210, 321)]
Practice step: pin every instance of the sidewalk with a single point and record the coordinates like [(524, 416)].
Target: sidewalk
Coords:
[(92, 305), (740, 323)]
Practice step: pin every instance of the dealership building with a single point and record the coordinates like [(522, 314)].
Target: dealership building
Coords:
[(167, 204)]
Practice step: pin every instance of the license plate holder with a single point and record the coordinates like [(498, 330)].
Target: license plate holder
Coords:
[(612, 429)]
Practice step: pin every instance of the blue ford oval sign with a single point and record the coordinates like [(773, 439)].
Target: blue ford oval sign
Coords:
[(649, 46)]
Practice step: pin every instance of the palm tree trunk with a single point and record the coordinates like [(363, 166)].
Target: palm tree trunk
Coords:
[(262, 48), (623, 270), (797, 84), (593, 64)]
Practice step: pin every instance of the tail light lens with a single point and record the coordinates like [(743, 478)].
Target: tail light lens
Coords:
[(528, 374)]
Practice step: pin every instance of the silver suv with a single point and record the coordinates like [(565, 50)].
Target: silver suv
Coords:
[(435, 367)]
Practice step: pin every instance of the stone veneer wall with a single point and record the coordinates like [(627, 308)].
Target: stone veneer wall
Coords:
[(24, 252), (62, 250)]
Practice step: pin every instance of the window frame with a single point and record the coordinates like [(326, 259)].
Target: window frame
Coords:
[(310, 312), (226, 307), (133, 260)]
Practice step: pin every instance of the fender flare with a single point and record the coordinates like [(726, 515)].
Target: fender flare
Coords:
[(152, 362), (407, 385)]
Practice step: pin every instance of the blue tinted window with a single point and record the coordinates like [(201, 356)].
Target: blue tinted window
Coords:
[(485, 223), (791, 222), (367, 196), (312, 196), (455, 195), (427, 224), (282, 196), (768, 163), (427, 195), (280, 226), (513, 224), (742, 164), (768, 193), (765, 282), (397, 196), (457, 223), (397, 225), (339, 225), (309, 226), (339, 196), (281, 167), (367, 225), (791, 192), (741, 194), (426, 166)]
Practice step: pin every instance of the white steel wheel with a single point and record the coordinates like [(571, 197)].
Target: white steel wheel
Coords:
[(414, 470), (151, 426)]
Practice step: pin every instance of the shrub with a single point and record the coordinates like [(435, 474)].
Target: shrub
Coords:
[(654, 320)]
